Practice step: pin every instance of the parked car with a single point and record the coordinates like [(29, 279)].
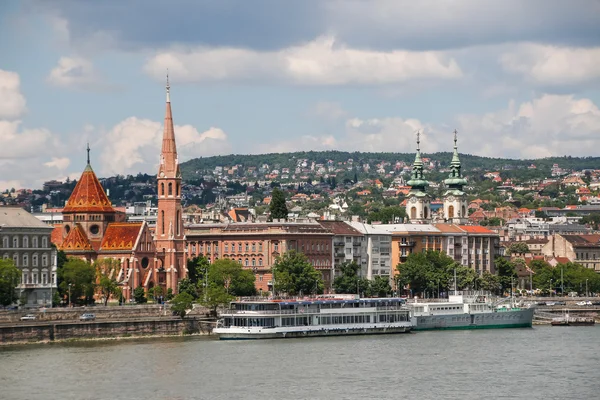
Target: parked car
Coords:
[(584, 303), (28, 317), (87, 317)]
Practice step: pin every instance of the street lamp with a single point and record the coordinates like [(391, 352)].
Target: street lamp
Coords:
[(69, 294)]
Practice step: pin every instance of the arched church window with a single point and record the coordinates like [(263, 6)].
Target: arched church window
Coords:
[(464, 211), (425, 212), (162, 189), (170, 189), (178, 189), (413, 213), (162, 221), (177, 221), (451, 212)]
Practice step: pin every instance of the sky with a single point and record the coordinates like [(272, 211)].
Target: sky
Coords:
[(516, 79)]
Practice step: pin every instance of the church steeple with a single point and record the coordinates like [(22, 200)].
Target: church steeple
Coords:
[(455, 202), (169, 236), (418, 205)]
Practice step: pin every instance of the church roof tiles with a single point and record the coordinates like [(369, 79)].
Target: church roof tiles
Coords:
[(121, 236), (88, 195), (76, 240)]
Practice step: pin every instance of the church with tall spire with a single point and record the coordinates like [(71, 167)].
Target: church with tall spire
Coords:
[(93, 229), (418, 207), (454, 198), (169, 235)]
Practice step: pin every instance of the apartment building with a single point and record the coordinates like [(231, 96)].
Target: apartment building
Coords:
[(348, 245), (581, 249), (26, 240)]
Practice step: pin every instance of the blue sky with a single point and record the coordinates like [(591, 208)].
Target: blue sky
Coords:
[(517, 79)]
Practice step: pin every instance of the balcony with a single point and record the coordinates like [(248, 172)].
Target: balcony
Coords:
[(356, 244), (338, 243), (408, 243)]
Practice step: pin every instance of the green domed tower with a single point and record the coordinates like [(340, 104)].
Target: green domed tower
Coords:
[(418, 206), (455, 200)]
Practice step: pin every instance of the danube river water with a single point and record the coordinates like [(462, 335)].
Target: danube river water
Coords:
[(538, 363)]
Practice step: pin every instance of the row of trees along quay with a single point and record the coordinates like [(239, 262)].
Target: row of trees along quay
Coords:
[(427, 274)]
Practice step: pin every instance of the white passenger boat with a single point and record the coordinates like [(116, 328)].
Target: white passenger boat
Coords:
[(468, 310), (308, 317)]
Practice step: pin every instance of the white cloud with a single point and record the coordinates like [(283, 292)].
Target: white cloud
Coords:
[(20, 144), (550, 125), (133, 145), (329, 110), (61, 163), (553, 65), (322, 61), (12, 102), (73, 72)]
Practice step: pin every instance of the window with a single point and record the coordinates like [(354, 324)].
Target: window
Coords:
[(25, 276), (25, 260), (178, 189), (35, 281), (247, 246), (276, 246), (424, 240), (34, 260), (170, 189), (178, 222), (34, 241), (44, 278), (246, 262), (5, 242), (260, 246), (15, 242), (253, 247), (260, 262), (16, 259), (226, 247), (260, 278), (25, 241), (253, 262), (240, 247), (162, 221), (162, 189)]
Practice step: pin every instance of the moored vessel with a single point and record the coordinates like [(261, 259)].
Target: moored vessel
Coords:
[(468, 310), (567, 320), (310, 317)]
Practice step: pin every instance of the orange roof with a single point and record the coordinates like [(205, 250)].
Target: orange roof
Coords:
[(88, 195), (475, 229), (121, 235), (76, 240), (448, 228), (56, 236)]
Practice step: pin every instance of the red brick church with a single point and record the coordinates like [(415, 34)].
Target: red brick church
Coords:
[(92, 229)]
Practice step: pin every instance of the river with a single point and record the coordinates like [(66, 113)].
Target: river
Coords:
[(538, 363)]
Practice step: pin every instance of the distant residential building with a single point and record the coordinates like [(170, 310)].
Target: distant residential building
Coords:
[(26, 240), (581, 249), (349, 245)]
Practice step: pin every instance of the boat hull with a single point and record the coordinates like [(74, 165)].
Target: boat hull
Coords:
[(522, 318), (282, 333)]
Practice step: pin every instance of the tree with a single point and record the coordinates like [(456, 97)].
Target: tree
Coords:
[(81, 275), (181, 303), (186, 286), (229, 274), (348, 281), (506, 273), (106, 276), (489, 282), (169, 294), (139, 295), (380, 287), (9, 279), (216, 296), (518, 248), (197, 267), (277, 207), (432, 271), (61, 260), (293, 274)]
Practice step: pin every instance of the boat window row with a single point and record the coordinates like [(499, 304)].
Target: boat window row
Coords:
[(446, 308), (265, 322)]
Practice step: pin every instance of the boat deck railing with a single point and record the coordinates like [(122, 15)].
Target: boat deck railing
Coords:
[(303, 311)]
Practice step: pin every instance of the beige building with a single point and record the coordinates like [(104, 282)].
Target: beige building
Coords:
[(26, 240), (581, 249)]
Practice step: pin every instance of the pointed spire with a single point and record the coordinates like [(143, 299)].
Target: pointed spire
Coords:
[(168, 87), (417, 182), (418, 160), (455, 158), (88, 153), (168, 157)]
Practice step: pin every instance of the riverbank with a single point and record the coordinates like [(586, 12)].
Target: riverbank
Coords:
[(47, 332)]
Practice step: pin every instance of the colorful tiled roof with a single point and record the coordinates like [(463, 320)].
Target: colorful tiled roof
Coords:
[(56, 236), (121, 236), (88, 195), (76, 240)]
